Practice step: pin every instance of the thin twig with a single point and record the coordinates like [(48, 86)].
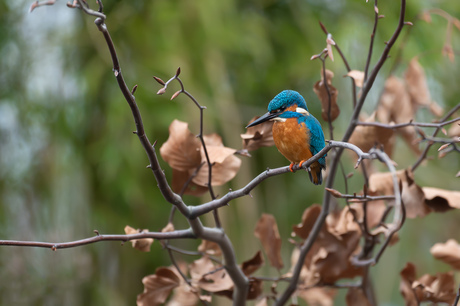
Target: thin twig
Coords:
[(345, 62), (371, 44), (427, 148), (178, 234)]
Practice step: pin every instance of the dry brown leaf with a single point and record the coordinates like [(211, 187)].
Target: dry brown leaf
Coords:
[(210, 248), (168, 228), (267, 232), (441, 200), (366, 137), (329, 257), (356, 296), (412, 195), (454, 130), (258, 136), (180, 178), (184, 295), (448, 252), (318, 296), (332, 261), (140, 244), (405, 286), (157, 287), (252, 265), (428, 288), (209, 277), (416, 83), (395, 106), (320, 90), (182, 149), (308, 219), (225, 165), (358, 76)]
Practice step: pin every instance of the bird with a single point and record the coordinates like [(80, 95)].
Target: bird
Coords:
[(298, 135)]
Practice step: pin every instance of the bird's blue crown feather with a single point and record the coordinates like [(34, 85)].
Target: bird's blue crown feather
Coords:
[(285, 99)]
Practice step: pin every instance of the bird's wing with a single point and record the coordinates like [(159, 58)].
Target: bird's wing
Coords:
[(316, 138)]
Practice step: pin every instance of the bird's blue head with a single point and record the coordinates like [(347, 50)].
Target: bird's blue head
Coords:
[(278, 108), (285, 99)]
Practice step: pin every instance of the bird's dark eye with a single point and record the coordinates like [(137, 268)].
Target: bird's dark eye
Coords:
[(279, 110)]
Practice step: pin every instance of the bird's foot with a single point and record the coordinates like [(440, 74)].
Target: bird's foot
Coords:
[(301, 162), (290, 167)]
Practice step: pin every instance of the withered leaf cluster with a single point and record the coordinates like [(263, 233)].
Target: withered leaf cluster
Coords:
[(205, 277), (186, 156), (427, 288), (418, 201), (399, 103)]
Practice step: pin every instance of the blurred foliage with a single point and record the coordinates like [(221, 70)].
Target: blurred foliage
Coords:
[(69, 163)]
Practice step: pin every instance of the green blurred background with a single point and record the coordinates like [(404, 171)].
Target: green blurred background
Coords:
[(69, 163)]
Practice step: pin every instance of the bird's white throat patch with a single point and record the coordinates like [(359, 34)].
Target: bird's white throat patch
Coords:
[(279, 119)]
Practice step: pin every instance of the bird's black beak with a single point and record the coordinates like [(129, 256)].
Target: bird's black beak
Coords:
[(263, 118)]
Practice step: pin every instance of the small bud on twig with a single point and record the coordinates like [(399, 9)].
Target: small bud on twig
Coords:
[(177, 72), (134, 89), (161, 91), (175, 94), (159, 80)]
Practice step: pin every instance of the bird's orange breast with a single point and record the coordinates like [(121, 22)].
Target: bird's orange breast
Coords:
[(292, 140)]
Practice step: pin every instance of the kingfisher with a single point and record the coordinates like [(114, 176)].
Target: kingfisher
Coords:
[(298, 135)]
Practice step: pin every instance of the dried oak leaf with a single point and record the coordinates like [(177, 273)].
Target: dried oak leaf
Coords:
[(210, 248), (180, 178), (168, 228), (252, 265), (441, 200), (140, 244), (416, 83), (182, 149), (267, 232), (428, 288), (320, 90), (356, 296), (448, 252), (358, 76), (210, 277), (225, 164), (309, 217), (258, 136), (215, 279), (318, 296), (329, 257), (184, 294), (366, 137), (454, 130), (157, 287), (412, 195), (395, 106)]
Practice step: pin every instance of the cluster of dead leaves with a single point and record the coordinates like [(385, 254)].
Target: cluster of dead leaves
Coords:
[(418, 201), (398, 103), (186, 156), (207, 276)]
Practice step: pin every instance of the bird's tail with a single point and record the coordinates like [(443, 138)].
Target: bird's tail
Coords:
[(316, 176)]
